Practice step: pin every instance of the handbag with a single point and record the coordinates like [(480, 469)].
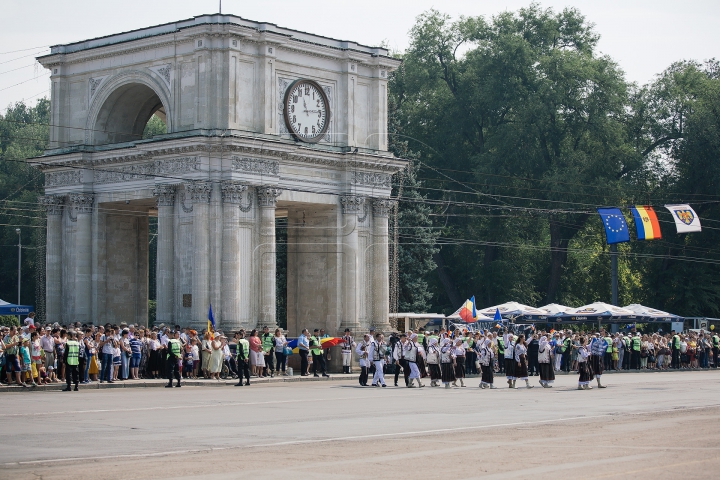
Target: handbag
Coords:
[(651, 359), (287, 351)]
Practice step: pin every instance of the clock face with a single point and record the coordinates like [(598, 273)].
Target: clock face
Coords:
[(307, 112)]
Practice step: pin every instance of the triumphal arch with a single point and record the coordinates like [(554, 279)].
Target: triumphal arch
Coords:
[(262, 123)]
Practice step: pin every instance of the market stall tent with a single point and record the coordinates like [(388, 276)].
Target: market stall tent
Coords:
[(7, 308)]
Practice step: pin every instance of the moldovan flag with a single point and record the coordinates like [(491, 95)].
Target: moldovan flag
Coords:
[(467, 311), (686, 220), (646, 222)]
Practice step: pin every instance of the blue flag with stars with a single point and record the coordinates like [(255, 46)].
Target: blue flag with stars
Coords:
[(616, 228)]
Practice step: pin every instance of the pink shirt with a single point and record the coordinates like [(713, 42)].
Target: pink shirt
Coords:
[(255, 344)]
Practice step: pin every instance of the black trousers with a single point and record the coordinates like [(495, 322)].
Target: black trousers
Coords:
[(269, 363), (635, 360), (303, 362), (566, 360), (173, 369), (319, 362), (74, 372), (626, 360), (243, 370), (608, 360), (715, 356), (501, 364), (406, 371), (363, 376), (534, 366), (675, 358)]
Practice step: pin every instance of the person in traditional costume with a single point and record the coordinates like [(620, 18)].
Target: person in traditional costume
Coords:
[(509, 343), (433, 361), (486, 357), (376, 352), (447, 368), (412, 352), (521, 362), (586, 375), (598, 348), (545, 356), (362, 352), (459, 354)]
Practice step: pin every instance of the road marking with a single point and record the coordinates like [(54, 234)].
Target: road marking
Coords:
[(351, 438)]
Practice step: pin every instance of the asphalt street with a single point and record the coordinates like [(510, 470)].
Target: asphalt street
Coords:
[(48, 433)]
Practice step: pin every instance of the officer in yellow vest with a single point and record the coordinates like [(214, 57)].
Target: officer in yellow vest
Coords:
[(675, 348), (317, 354), (267, 346), (71, 357), (636, 343), (243, 359), (174, 356), (715, 349), (608, 353)]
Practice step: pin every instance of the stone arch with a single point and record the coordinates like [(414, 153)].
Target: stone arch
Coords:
[(122, 107)]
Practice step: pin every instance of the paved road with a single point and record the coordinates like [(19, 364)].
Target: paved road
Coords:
[(197, 432)]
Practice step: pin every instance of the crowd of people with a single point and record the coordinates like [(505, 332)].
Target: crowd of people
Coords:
[(76, 354)]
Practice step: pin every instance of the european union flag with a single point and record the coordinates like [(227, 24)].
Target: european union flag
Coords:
[(616, 228)]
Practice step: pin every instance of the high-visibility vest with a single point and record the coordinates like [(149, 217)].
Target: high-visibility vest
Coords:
[(716, 341), (174, 345), (421, 337), (73, 349), (267, 342), (501, 346), (610, 344), (636, 343), (243, 349), (318, 349), (676, 342)]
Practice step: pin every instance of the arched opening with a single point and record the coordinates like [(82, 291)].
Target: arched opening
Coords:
[(125, 114)]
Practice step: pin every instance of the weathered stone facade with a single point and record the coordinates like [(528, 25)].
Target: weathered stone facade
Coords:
[(218, 179)]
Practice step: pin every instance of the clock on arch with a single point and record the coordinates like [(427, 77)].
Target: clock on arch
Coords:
[(307, 110)]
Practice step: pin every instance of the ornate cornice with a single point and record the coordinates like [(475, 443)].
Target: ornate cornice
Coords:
[(67, 177), (232, 192), (382, 206), (267, 196), (255, 165), (82, 202), (53, 204), (165, 195), (352, 203), (371, 179), (199, 192)]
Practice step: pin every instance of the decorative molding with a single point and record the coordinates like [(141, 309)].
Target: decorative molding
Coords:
[(232, 192), (127, 173), (199, 192), (352, 203), (185, 208), (163, 72), (177, 165), (165, 195), (59, 179), (382, 206), (53, 204), (81, 203), (372, 179), (366, 210), (267, 196), (93, 84), (254, 165)]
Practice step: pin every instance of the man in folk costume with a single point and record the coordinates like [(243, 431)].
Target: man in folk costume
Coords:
[(547, 373), (447, 369), (362, 349), (398, 355), (509, 342), (584, 367), (460, 354), (486, 356), (598, 347), (521, 362), (376, 351), (413, 352), (433, 361), (348, 343)]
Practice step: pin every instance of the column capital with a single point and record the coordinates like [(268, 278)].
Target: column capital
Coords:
[(232, 192), (82, 202), (267, 196), (165, 195), (352, 203), (199, 192), (382, 206), (53, 204)]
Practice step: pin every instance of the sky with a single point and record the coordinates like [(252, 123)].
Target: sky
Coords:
[(643, 36)]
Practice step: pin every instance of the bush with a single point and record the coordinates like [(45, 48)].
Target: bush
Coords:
[(9, 320)]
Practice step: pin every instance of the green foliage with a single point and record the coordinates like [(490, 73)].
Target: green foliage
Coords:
[(155, 126), (9, 321), (152, 312)]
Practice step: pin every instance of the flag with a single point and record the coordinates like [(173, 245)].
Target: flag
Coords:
[(211, 322), (646, 222), (497, 317), (467, 311), (686, 220), (616, 229), (474, 310)]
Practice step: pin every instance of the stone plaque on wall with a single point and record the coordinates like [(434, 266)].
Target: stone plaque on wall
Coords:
[(187, 300)]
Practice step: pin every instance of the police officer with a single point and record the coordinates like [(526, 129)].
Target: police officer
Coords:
[(317, 354), (715, 349), (174, 356), (243, 360), (267, 347), (71, 358), (675, 346), (636, 347)]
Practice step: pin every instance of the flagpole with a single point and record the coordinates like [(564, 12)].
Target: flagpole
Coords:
[(614, 266)]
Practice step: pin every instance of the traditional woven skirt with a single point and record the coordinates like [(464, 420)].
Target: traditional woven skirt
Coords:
[(521, 368), (510, 367), (447, 372), (154, 362), (586, 374), (421, 366), (596, 364), (460, 367), (94, 369), (547, 373), (434, 371), (487, 373)]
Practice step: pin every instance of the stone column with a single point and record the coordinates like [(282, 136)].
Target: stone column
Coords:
[(53, 205), (200, 196), (267, 199), (381, 276), (82, 207), (352, 206), (233, 260), (165, 268)]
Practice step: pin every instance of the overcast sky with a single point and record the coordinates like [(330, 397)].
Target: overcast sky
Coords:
[(643, 36)]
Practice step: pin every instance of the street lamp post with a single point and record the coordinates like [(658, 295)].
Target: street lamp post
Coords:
[(17, 230)]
